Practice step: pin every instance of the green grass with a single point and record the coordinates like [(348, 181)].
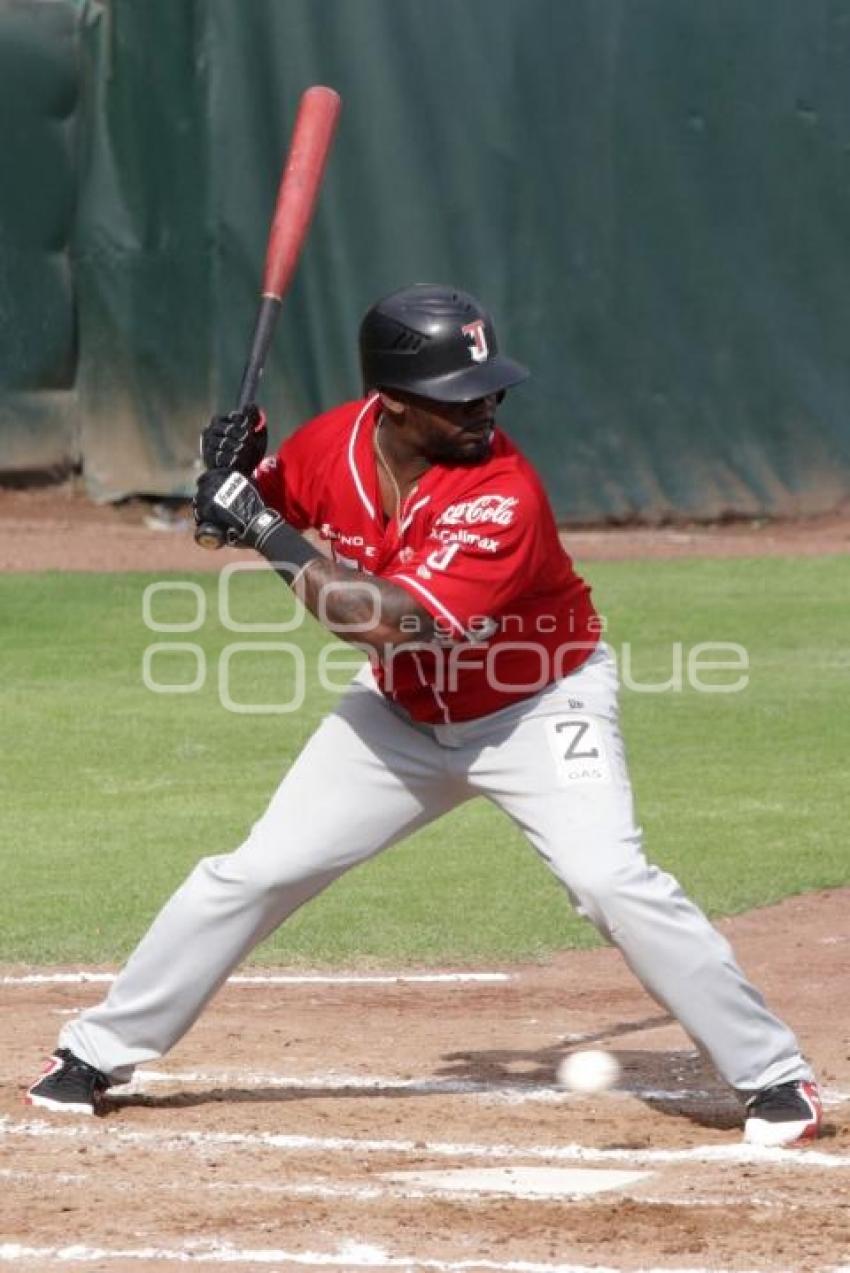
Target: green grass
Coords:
[(111, 792)]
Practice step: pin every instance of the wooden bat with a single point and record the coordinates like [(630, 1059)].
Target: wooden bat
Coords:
[(312, 134)]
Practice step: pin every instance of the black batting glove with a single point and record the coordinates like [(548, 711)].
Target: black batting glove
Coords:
[(231, 502), (228, 500), (235, 441)]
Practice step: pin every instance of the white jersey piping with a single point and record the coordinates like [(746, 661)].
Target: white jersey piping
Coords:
[(438, 605), (367, 503), (437, 696), (412, 512)]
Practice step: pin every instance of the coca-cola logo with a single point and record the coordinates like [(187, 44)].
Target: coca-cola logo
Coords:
[(498, 509)]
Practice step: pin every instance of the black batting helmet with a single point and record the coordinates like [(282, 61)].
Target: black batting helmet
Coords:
[(434, 341)]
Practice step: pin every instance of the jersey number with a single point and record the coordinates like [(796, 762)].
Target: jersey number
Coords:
[(442, 558)]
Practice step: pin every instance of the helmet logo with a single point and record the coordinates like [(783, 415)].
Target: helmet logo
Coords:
[(474, 331)]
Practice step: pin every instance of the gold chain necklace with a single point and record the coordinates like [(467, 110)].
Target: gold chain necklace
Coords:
[(385, 465)]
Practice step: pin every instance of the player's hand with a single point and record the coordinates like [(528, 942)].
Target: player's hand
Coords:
[(235, 441), (228, 500)]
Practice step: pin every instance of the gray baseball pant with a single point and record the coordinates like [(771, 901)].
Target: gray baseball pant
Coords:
[(554, 763)]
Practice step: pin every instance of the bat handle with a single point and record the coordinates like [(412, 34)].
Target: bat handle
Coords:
[(207, 534)]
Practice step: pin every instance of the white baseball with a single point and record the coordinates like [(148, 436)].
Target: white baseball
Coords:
[(588, 1072)]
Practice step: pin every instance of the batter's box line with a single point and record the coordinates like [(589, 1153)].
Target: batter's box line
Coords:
[(802, 1159), (323, 1190), (509, 1091), (349, 1256), (81, 977), (515, 1091)]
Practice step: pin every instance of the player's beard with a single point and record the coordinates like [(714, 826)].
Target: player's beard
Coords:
[(467, 446)]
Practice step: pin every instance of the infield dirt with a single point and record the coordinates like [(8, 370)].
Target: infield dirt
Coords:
[(364, 1081), (55, 528), (361, 1081)]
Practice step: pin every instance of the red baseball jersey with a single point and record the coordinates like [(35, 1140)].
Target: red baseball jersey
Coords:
[(476, 545)]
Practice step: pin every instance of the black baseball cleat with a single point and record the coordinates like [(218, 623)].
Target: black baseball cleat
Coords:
[(68, 1085), (784, 1115)]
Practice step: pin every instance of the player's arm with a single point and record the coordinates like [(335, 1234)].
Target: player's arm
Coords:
[(362, 608), (353, 605)]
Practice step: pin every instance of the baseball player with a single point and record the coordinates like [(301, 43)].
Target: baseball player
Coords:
[(486, 677)]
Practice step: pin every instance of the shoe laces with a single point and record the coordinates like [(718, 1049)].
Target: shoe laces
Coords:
[(784, 1096), (73, 1068)]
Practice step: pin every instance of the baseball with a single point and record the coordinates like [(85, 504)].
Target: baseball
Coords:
[(588, 1072)]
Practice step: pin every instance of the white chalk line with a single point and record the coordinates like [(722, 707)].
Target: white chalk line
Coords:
[(507, 1090), (313, 1190), (348, 1256), (47, 1178), (400, 1191), (323, 1190), (513, 1091), (97, 1131), (281, 979)]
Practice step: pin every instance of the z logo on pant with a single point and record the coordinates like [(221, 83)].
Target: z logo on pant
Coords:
[(578, 751)]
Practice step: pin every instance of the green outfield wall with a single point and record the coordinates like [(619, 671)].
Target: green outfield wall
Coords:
[(653, 196)]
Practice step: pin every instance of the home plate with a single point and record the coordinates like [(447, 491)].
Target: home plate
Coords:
[(521, 1182)]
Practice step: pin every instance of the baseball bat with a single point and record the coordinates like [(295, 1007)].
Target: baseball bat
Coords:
[(312, 134)]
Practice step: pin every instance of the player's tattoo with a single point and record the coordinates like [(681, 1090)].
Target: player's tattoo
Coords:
[(361, 608)]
